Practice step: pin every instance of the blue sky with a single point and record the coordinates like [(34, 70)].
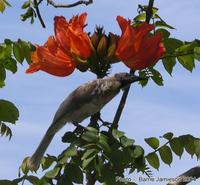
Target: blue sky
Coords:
[(149, 111)]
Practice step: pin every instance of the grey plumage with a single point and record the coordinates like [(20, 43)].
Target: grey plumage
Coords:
[(83, 102)]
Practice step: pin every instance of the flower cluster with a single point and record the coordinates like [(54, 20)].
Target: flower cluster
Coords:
[(72, 47)]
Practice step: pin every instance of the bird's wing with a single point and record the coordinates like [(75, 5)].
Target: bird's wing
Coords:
[(81, 96)]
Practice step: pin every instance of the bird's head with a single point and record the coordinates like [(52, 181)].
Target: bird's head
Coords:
[(126, 78)]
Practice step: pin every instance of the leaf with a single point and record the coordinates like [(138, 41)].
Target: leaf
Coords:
[(46, 162), (18, 52), (156, 77), (8, 112), (171, 44), (164, 32), (26, 5), (163, 24), (2, 6), (103, 143), (169, 63), (87, 161), (89, 153), (52, 173), (32, 179), (197, 53), (168, 135), (188, 143), (187, 62), (69, 137), (126, 141), (2, 76), (166, 154), (5, 130), (75, 173), (138, 151), (153, 142), (197, 148), (140, 17), (153, 160), (117, 134), (89, 136), (176, 146), (11, 65)]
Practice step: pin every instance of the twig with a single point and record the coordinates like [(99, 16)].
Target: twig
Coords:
[(38, 13), (149, 13), (120, 108), (187, 177), (58, 5)]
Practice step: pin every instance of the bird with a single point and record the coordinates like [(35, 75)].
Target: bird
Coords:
[(83, 102)]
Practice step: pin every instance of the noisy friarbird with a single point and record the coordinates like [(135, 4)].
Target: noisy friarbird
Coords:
[(83, 102)]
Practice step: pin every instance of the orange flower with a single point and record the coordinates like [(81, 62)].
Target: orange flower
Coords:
[(51, 59), (71, 37), (135, 48)]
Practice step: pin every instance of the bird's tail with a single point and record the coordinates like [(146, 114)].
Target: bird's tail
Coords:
[(34, 161)]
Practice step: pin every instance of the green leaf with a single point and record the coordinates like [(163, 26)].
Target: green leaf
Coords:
[(103, 143), (8, 112), (18, 52), (46, 162), (126, 141), (117, 134), (172, 44), (5, 130), (153, 160), (197, 148), (140, 17), (69, 137), (26, 50), (169, 63), (156, 77), (32, 179), (176, 146), (89, 153), (11, 65), (52, 173), (197, 53), (187, 62), (163, 24), (2, 6), (26, 4), (2, 76), (87, 161), (168, 135), (89, 136), (164, 32), (75, 173), (188, 143), (138, 151), (153, 142), (166, 154), (143, 74)]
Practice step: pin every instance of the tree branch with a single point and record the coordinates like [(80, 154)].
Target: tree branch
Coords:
[(59, 5), (38, 13), (187, 177), (149, 13)]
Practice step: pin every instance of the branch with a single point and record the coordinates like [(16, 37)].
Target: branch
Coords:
[(38, 13), (58, 5), (149, 13), (187, 177), (120, 108)]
